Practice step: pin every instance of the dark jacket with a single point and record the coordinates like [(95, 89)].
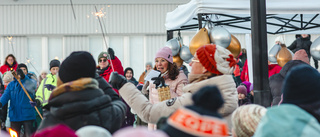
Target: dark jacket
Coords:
[(133, 81), (276, 80), (301, 43), (85, 106), (106, 88)]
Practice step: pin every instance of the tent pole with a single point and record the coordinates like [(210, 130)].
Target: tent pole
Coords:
[(169, 34), (262, 93), (200, 21)]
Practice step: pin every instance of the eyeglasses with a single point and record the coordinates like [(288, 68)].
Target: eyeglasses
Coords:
[(103, 60)]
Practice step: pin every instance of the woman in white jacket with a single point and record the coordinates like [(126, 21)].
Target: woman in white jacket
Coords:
[(211, 65)]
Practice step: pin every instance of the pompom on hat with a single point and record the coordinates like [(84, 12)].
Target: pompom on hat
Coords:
[(190, 120), (216, 59), (246, 118), (165, 53)]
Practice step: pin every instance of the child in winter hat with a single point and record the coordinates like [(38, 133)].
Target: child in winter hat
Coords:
[(190, 120), (245, 119), (242, 95)]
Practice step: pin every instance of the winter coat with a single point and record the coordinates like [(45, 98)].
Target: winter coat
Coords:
[(4, 68), (273, 69), (245, 72), (20, 108), (80, 103), (153, 112), (142, 76), (244, 101), (106, 87), (106, 72), (174, 85), (301, 43), (133, 81), (287, 120), (43, 93), (276, 81)]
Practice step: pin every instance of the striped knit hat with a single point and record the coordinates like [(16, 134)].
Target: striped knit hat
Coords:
[(245, 119), (216, 59)]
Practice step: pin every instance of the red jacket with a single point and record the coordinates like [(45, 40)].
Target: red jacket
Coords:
[(4, 68), (245, 72), (117, 67), (273, 69)]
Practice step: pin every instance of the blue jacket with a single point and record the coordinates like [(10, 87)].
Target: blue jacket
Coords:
[(287, 121), (20, 108)]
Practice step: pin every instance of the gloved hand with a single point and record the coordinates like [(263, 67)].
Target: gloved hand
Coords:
[(111, 53), (116, 80), (157, 81), (49, 86), (21, 74), (33, 104)]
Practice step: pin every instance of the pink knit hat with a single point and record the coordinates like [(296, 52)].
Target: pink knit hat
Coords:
[(165, 53), (242, 89), (301, 55)]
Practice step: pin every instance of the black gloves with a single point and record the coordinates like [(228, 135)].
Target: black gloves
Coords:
[(35, 102), (158, 81), (49, 86), (116, 80), (111, 53)]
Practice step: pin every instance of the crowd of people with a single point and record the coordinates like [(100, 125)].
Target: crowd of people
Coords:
[(81, 98)]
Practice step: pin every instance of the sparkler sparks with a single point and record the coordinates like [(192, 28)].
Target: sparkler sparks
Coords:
[(99, 13)]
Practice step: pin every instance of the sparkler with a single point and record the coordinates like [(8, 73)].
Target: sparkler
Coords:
[(74, 14), (29, 61), (10, 42), (99, 15), (12, 133)]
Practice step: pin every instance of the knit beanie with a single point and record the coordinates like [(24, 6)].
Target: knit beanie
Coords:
[(242, 89), (246, 118), (216, 59), (22, 65), (165, 53), (201, 118), (7, 76), (139, 132), (93, 131), (128, 68), (56, 131), (103, 54), (248, 85), (149, 63), (54, 63), (301, 85), (77, 65), (301, 55)]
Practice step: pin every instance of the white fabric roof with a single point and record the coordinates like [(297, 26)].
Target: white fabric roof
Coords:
[(184, 14)]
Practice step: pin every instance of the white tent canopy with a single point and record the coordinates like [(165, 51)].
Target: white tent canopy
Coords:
[(282, 11)]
